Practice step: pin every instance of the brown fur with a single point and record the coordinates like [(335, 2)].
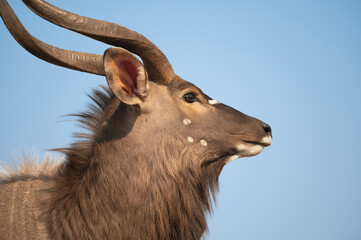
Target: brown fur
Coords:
[(28, 166), (22, 209), (25, 189), (108, 190), (148, 167)]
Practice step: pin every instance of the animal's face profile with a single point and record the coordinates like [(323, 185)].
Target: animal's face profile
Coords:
[(180, 109), (148, 168)]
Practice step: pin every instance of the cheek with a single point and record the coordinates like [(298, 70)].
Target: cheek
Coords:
[(199, 126), (193, 110), (201, 134)]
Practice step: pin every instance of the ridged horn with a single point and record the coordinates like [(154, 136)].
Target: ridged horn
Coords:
[(158, 67), (85, 62)]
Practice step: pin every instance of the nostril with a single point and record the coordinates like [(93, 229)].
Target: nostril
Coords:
[(267, 129)]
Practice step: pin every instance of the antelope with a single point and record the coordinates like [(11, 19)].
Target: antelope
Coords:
[(149, 166)]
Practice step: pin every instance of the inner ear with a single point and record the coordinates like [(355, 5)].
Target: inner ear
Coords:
[(126, 76)]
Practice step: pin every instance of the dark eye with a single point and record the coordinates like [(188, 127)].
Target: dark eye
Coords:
[(189, 97)]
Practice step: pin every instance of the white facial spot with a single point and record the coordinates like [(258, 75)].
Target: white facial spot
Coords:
[(187, 121), (213, 102), (231, 158), (204, 142), (266, 140), (190, 139)]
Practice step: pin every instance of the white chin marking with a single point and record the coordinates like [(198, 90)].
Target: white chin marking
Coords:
[(187, 121), (231, 158), (213, 102), (267, 140), (248, 149), (190, 139)]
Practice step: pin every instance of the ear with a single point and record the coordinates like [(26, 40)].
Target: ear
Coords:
[(126, 76)]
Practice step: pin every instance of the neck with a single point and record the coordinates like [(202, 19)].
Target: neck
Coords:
[(145, 195)]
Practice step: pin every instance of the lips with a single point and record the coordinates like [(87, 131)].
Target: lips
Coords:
[(265, 142), (249, 148)]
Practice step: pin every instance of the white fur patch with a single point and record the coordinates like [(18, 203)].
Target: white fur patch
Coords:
[(247, 149), (187, 121), (142, 77), (204, 143), (141, 73), (190, 139), (231, 158), (267, 140), (213, 102)]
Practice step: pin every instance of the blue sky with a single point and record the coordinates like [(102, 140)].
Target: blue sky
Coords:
[(293, 64)]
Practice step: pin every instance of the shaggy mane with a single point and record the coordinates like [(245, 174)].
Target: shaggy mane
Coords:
[(91, 120), (29, 167)]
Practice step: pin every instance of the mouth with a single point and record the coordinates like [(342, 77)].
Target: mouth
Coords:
[(258, 143), (245, 148), (265, 141), (249, 148)]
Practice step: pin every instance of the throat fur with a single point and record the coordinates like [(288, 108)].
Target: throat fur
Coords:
[(147, 196)]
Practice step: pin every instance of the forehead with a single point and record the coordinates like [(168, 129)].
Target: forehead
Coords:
[(178, 84)]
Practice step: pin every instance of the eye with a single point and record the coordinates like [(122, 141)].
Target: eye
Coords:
[(189, 97)]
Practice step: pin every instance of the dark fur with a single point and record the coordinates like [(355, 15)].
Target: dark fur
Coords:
[(132, 176), (109, 190)]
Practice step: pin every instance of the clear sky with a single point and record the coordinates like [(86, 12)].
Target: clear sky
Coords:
[(293, 64)]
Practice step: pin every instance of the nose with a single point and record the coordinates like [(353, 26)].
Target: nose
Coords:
[(267, 129)]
